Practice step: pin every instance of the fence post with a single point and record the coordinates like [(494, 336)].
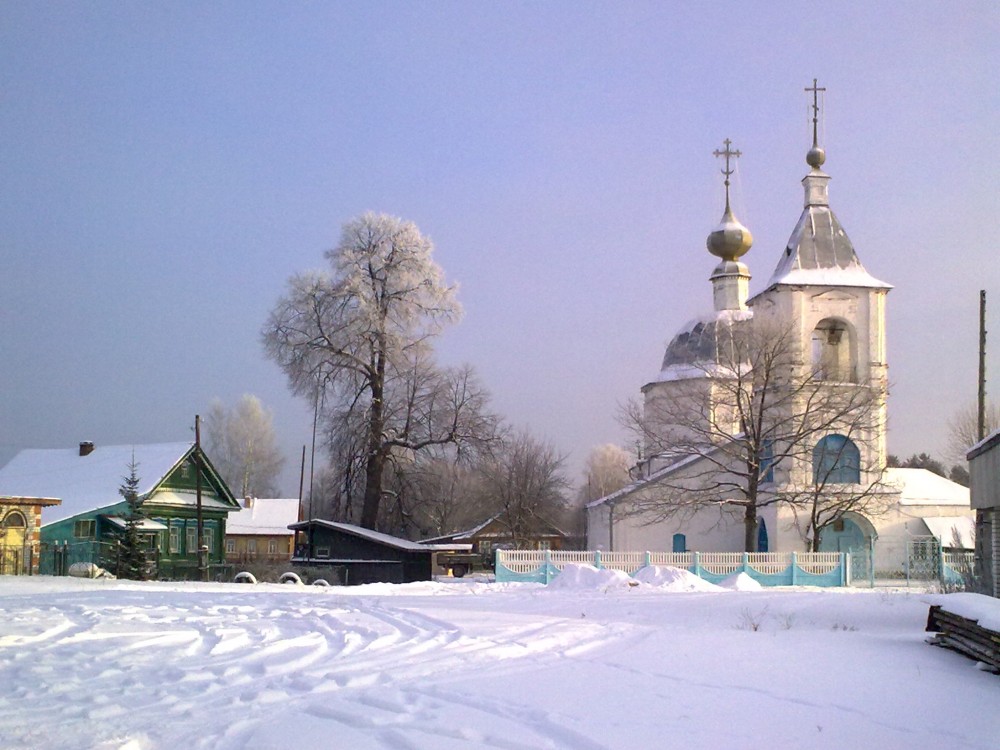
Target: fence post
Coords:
[(795, 567), (871, 562), (649, 559), (941, 575), (547, 566), (697, 564), (746, 563), (597, 560)]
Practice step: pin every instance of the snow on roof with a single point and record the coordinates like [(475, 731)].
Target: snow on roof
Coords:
[(945, 528), (638, 484), (983, 445), (375, 536), (553, 530), (819, 253), (84, 483), (923, 487), (145, 524), (265, 516)]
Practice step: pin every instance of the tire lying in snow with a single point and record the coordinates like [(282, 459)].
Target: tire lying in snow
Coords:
[(244, 577), (88, 570), (290, 578)]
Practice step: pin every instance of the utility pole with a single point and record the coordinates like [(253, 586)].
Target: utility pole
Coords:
[(981, 425), (202, 549), (980, 571)]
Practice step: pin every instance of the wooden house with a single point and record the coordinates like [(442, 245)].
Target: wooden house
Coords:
[(259, 531), (88, 523), (496, 532), (356, 555), (20, 533)]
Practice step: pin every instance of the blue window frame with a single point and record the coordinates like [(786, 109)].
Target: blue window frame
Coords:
[(836, 460), (767, 462)]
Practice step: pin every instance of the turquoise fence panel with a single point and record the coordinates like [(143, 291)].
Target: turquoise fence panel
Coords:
[(794, 574)]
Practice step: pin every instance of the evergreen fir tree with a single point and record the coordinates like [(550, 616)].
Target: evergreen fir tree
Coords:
[(132, 560)]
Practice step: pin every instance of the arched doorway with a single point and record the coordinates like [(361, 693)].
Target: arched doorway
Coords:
[(13, 529), (854, 534)]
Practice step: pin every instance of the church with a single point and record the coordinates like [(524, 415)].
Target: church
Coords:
[(765, 428)]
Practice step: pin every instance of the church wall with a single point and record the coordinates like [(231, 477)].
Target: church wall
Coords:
[(708, 530)]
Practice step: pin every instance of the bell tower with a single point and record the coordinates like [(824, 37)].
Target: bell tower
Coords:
[(836, 310)]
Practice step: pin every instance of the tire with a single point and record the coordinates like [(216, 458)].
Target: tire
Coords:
[(459, 570)]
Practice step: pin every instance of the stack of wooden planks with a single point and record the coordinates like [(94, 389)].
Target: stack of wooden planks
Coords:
[(965, 636)]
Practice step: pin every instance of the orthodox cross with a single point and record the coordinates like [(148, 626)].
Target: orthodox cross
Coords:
[(729, 154), (815, 107)]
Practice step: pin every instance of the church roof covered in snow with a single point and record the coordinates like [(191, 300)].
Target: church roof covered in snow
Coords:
[(923, 487), (819, 252)]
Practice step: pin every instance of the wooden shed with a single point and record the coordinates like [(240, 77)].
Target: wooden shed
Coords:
[(357, 555)]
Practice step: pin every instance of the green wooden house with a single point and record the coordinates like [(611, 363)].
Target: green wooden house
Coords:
[(90, 520)]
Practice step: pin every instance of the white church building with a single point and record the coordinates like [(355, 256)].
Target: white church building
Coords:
[(786, 391)]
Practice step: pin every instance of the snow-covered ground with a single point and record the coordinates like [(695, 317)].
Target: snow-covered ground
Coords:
[(592, 661)]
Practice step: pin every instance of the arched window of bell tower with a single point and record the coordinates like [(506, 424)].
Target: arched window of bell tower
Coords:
[(833, 351)]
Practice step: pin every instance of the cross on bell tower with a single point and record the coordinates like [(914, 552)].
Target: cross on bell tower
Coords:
[(816, 155)]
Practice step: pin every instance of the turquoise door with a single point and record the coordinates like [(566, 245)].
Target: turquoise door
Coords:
[(680, 543), (843, 536)]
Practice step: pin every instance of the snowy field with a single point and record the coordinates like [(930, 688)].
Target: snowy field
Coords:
[(591, 663)]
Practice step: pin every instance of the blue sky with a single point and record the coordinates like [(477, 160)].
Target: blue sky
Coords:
[(167, 166)]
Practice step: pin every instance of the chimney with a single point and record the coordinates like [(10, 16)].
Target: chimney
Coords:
[(248, 501), (86, 448)]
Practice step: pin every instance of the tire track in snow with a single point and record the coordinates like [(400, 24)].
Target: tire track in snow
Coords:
[(212, 670)]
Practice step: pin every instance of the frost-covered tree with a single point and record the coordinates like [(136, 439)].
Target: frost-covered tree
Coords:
[(243, 447), (132, 555), (357, 340)]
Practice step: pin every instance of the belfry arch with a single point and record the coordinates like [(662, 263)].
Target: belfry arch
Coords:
[(834, 351)]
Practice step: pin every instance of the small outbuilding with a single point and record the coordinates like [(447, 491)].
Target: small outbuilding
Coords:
[(20, 533), (357, 555), (984, 476)]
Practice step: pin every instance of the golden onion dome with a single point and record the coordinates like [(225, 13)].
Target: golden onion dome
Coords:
[(730, 240)]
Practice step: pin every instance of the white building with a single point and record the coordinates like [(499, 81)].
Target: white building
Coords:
[(828, 381)]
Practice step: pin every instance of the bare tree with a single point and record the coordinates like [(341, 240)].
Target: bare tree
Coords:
[(828, 498), (963, 429), (243, 447), (435, 494), (605, 471), (740, 432), (361, 337), (523, 483)]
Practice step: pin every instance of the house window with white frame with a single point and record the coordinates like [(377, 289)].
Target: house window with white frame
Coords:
[(208, 539), (191, 540), (230, 546), (272, 546), (84, 529), (175, 540)]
